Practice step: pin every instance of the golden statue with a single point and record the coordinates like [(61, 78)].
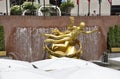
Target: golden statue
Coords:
[(66, 44)]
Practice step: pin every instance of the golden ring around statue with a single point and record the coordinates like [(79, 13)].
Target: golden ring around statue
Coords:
[(75, 55)]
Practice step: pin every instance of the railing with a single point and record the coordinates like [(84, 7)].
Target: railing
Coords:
[(40, 13)]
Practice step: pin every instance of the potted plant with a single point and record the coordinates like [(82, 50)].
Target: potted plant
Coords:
[(49, 10), (30, 7), (2, 42), (15, 10), (114, 38), (66, 7)]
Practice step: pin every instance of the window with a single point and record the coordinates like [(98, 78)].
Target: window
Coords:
[(115, 10)]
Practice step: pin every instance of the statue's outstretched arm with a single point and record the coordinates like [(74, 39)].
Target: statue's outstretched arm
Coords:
[(50, 35), (88, 32), (57, 31), (58, 40), (57, 36)]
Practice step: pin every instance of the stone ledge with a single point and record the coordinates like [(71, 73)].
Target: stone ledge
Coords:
[(2, 53)]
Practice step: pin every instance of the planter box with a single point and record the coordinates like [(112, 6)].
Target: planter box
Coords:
[(115, 49), (2, 53)]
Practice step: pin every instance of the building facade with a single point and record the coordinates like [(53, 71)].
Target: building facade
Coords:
[(94, 6), (81, 9), (2, 7)]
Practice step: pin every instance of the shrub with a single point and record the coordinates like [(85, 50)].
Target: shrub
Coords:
[(15, 10), (2, 41), (29, 6), (66, 6), (114, 36)]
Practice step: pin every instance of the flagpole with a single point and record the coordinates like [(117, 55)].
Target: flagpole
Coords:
[(88, 8), (110, 2), (110, 9), (6, 7), (99, 7), (32, 8), (39, 1), (56, 6), (44, 7), (78, 7)]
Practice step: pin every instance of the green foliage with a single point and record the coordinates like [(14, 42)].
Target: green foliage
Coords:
[(30, 6), (18, 9), (66, 6), (114, 36), (48, 11), (2, 41), (15, 10)]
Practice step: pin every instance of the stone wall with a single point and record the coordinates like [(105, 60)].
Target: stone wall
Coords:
[(13, 23)]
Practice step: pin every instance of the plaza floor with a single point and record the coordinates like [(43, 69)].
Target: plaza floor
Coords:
[(113, 61)]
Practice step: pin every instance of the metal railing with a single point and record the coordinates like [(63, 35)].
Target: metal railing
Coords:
[(40, 13)]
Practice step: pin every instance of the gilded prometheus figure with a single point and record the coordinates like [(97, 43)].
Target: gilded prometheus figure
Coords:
[(65, 44)]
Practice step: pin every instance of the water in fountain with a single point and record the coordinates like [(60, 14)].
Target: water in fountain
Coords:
[(29, 43), (91, 43)]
